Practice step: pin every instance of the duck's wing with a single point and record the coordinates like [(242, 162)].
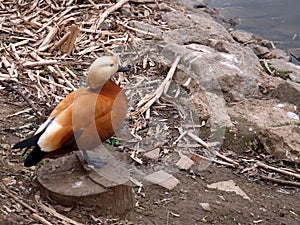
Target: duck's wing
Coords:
[(55, 139), (67, 126), (32, 141)]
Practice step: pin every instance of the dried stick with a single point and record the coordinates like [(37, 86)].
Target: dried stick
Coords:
[(260, 164), (216, 153), (268, 68), (139, 31), (54, 213), (2, 186), (72, 38), (180, 137), (41, 219), (23, 96), (49, 37), (40, 63), (149, 100), (53, 83), (280, 181), (145, 1), (109, 11), (34, 215), (64, 78), (196, 138), (195, 155), (60, 42)]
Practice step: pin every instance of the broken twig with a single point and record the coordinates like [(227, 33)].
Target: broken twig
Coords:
[(280, 181), (261, 164), (149, 100)]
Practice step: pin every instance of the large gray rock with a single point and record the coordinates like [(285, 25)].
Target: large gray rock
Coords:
[(287, 91), (283, 142), (292, 70), (270, 120), (193, 29), (233, 75)]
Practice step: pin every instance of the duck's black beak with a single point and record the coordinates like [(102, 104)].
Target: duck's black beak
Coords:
[(123, 69)]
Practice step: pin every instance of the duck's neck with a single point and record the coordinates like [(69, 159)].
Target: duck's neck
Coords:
[(102, 87)]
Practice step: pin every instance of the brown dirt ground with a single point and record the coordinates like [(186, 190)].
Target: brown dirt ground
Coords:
[(270, 204)]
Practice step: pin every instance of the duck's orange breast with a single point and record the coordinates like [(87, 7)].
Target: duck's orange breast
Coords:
[(86, 115)]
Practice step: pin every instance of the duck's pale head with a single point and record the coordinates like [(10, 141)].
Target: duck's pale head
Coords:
[(101, 70)]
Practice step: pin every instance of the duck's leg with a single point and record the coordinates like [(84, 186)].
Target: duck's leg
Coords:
[(92, 161)]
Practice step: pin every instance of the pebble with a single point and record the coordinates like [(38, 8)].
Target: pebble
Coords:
[(292, 115)]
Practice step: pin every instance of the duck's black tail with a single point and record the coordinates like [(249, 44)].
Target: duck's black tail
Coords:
[(35, 156), (32, 141)]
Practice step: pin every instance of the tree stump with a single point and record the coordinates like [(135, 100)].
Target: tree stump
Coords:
[(69, 182)]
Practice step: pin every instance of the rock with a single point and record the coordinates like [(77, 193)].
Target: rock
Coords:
[(146, 27), (164, 6), (194, 4), (278, 133), (242, 36), (295, 52), (292, 69), (280, 54), (183, 29), (229, 186), (260, 51), (225, 66), (267, 43), (126, 10), (283, 142), (205, 206), (292, 115), (185, 162), (287, 91), (163, 179), (153, 154), (173, 18), (231, 74)]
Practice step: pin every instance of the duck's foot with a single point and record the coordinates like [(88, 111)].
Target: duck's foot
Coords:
[(93, 161)]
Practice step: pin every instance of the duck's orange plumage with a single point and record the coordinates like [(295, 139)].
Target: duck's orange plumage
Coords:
[(84, 118)]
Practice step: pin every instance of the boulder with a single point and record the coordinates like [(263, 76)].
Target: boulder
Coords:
[(283, 142), (269, 120)]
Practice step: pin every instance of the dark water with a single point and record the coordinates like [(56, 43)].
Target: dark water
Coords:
[(276, 20)]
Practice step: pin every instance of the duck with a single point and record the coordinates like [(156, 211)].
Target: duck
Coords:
[(84, 119)]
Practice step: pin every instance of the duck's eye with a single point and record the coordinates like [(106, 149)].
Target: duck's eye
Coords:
[(111, 65)]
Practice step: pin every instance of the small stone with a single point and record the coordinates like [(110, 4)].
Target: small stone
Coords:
[(185, 162), (163, 179), (280, 105), (229, 186), (205, 206), (292, 115), (164, 7), (153, 154), (241, 36), (260, 50)]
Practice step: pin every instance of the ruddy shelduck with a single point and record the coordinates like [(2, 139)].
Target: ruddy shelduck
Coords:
[(83, 119)]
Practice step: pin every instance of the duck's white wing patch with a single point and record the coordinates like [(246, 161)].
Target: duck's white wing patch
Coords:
[(43, 126), (51, 131)]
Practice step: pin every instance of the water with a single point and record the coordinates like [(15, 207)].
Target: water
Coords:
[(275, 20)]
